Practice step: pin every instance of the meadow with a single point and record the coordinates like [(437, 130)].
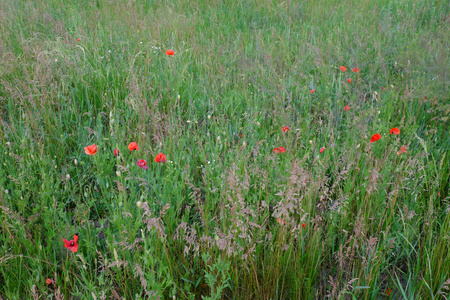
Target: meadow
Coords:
[(260, 149)]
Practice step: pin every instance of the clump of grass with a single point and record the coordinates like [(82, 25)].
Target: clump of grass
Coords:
[(224, 216)]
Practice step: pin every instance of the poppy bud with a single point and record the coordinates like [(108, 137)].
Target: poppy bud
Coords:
[(139, 204)]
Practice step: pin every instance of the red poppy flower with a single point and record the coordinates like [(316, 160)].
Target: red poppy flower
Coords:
[(312, 91), (72, 245), (133, 146), (347, 108), (388, 292), (116, 152), (304, 225), (402, 150), (349, 80), (48, 281), (285, 128), (375, 137), (279, 149), (395, 131), (281, 221), (322, 149), (356, 70), (170, 52), (343, 69), (78, 40), (91, 150), (160, 158), (143, 164), (240, 135)]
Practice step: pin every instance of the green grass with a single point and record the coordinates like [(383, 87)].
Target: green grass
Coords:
[(356, 219)]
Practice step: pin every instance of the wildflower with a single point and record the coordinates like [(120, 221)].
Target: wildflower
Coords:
[(304, 225), (67, 177), (240, 135), (276, 150), (349, 80), (281, 221), (116, 152), (312, 91), (78, 40), (343, 69), (91, 150), (388, 292), (402, 150), (281, 149), (285, 128), (322, 149), (142, 163), (347, 108), (383, 89), (375, 137), (160, 158), (48, 281), (133, 146), (170, 52), (395, 131), (355, 70), (72, 245)]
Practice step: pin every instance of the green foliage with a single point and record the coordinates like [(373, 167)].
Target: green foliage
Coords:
[(224, 217)]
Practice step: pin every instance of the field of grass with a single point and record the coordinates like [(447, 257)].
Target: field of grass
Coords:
[(226, 216)]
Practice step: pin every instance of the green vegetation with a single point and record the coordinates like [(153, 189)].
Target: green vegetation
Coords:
[(225, 217)]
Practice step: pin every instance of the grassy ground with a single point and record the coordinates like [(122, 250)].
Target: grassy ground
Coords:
[(225, 217)]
